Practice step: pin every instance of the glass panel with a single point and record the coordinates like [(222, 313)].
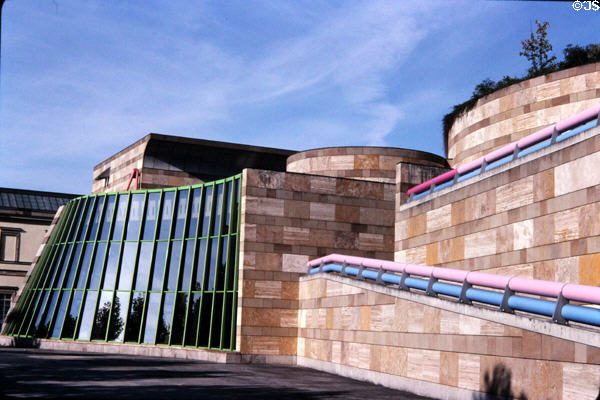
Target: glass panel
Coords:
[(76, 219), (174, 258), (181, 213), (73, 267), (192, 322), (96, 218), (87, 318), (210, 283), (135, 216), (86, 220), (220, 278), (40, 311), (200, 257), (188, 260), (71, 317), (166, 215), (117, 320), (65, 262), (120, 217), (111, 266), (127, 264), (207, 209), (227, 221), (164, 322), (151, 317), (151, 212), (97, 267), (42, 330), (232, 266), (101, 317), (143, 268), (20, 326), (179, 318), (227, 321), (159, 265), (60, 314), (205, 314), (235, 207), (217, 215), (215, 335), (85, 264), (134, 320), (108, 212), (193, 223)]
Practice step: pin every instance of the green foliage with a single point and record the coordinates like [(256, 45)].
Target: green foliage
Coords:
[(537, 50)]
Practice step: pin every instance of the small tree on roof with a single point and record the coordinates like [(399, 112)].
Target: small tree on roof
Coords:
[(537, 50)]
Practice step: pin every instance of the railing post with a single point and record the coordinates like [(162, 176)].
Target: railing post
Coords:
[(402, 281), (432, 187), (410, 197), (359, 274), (344, 265), (504, 307), (554, 135), (557, 315), (516, 152), (430, 283), (598, 119), (456, 176), (321, 266), (379, 275), (484, 165), (463, 292)]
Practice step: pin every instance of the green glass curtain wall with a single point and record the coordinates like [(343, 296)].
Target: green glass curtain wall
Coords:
[(153, 267)]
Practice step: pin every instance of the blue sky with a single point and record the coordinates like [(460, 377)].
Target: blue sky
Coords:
[(81, 80)]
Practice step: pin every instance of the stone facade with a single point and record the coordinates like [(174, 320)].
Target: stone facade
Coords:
[(286, 220), (536, 217), (367, 163), (521, 109), (416, 343)]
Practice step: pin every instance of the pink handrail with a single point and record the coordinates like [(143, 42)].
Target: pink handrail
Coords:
[(528, 141)]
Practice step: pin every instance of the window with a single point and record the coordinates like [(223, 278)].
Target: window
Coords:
[(10, 240), (4, 306)]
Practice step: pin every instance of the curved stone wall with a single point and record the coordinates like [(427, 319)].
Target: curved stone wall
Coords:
[(521, 109), (367, 163)]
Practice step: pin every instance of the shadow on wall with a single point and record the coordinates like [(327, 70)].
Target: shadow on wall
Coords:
[(498, 386)]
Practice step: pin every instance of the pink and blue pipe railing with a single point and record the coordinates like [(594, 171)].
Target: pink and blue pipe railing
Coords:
[(538, 140), (507, 293)]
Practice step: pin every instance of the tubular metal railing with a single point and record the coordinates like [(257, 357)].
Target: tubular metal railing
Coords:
[(505, 292), (536, 141)]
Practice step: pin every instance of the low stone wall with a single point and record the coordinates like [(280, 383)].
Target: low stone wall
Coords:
[(536, 217), (287, 219), (439, 348)]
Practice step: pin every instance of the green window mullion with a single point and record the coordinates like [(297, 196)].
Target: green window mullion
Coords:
[(194, 267), (212, 202), (236, 266), (103, 272), (217, 264), (166, 265), (119, 260), (78, 266), (137, 255), (181, 260), (151, 269), (227, 261), (36, 306)]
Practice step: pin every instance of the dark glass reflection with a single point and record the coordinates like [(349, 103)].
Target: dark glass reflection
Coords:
[(134, 318), (135, 216), (220, 272), (159, 265), (97, 266), (42, 329), (174, 258), (188, 260), (73, 266), (179, 318), (207, 210), (227, 214), (120, 214), (215, 330), (195, 212), (204, 324), (164, 322), (84, 265), (86, 219), (212, 256), (71, 318), (201, 257), (218, 211), (166, 215), (77, 219), (182, 198), (111, 266), (96, 218), (118, 317), (192, 320), (108, 214), (62, 310), (151, 215)]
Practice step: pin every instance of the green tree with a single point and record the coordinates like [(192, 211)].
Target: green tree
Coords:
[(537, 49)]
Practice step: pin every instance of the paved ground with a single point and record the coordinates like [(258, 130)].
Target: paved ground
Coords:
[(42, 374)]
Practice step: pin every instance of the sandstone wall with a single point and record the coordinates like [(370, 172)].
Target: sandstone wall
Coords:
[(521, 109), (385, 336), (286, 220), (536, 217)]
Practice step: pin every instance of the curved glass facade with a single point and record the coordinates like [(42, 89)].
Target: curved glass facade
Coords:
[(151, 267)]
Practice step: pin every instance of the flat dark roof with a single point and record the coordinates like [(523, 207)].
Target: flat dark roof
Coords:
[(33, 200)]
